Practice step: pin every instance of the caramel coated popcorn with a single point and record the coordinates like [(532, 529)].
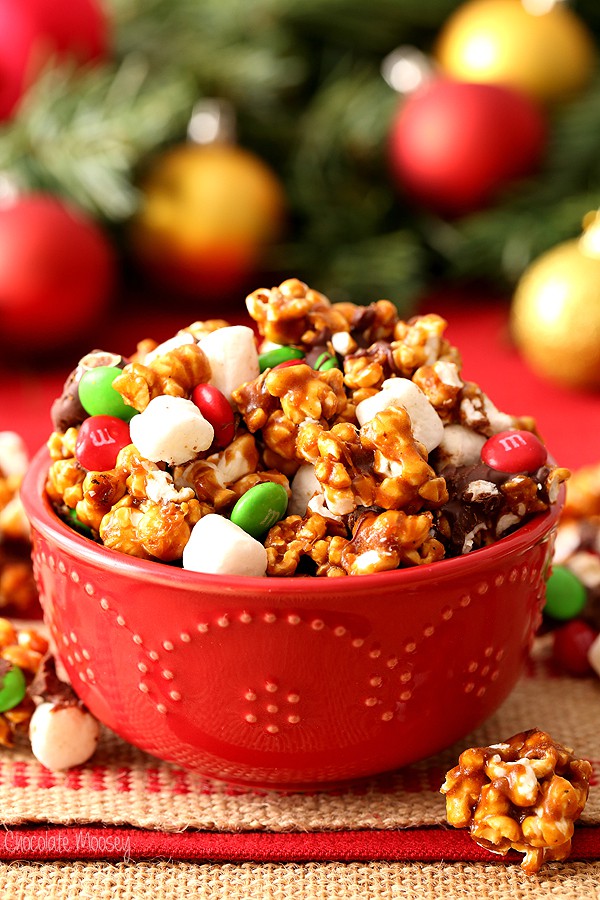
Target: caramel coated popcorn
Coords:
[(18, 593), (22, 650), (525, 794), (340, 441)]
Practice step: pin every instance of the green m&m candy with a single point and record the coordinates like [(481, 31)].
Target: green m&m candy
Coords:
[(259, 508), (272, 358), (565, 594), (12, 688), (325, 361), (99, 398)]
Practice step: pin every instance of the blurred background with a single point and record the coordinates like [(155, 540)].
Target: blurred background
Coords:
[(159, 159)]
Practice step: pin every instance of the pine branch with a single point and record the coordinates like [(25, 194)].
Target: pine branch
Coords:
[(81, 134)]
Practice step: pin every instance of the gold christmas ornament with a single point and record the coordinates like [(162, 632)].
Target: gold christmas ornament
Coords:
[(208, 212), (538, 46), (555, 316)]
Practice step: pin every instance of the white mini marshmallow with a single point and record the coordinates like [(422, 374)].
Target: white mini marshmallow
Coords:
[(218, 546), (14, 458), (427, 426), (171, 430), (62, 736), (181, 338), (305, 485), (343, 343), (460, 446), (233, 357)]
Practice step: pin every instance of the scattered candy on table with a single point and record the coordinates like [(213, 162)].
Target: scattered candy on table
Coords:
[(572, 609), (565, 594), (63, 733), (22, 650)]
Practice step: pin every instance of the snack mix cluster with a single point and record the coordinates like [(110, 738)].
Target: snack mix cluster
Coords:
[(523, 794), (346, 443), (18, 594)]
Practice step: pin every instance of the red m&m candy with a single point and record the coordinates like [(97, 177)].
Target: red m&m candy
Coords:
[(289, 362), (571, 645), (514, 451), (99, 441), (216, 409)]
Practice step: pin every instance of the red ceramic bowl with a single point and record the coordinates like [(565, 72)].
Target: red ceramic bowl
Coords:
[(288, 683)]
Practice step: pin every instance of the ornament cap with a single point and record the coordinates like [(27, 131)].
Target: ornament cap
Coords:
[(212, 121), (406, 69)]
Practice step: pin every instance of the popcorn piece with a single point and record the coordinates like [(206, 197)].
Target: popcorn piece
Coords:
[(174, 373), (385, 541), (219, 547), (23, 648), (420, 342), (427, 426), (63, 736), (18, 592), (477, 411), (232, 356), (408, 482), (583, 494), (306, 394), (441, 384), (525, 793), (181, 338), (206, 326), (293, 313), (297, 537), (171, 430)]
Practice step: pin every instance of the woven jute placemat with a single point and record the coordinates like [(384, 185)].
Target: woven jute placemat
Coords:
[(124, 786), (312, 881)]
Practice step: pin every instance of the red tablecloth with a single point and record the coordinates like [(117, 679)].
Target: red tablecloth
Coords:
[(568, 420)]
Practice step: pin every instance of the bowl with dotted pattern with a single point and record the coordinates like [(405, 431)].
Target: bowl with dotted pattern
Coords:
[(288, 682)]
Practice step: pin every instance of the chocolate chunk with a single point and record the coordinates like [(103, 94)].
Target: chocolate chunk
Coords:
[(47, 686), (67, 411)]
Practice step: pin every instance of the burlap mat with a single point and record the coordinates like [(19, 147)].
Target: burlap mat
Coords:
[(312, 881), (123, 786)]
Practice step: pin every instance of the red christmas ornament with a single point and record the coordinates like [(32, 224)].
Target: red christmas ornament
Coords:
[(57, 270), (78, 28), (34, 31), (455, 145)]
